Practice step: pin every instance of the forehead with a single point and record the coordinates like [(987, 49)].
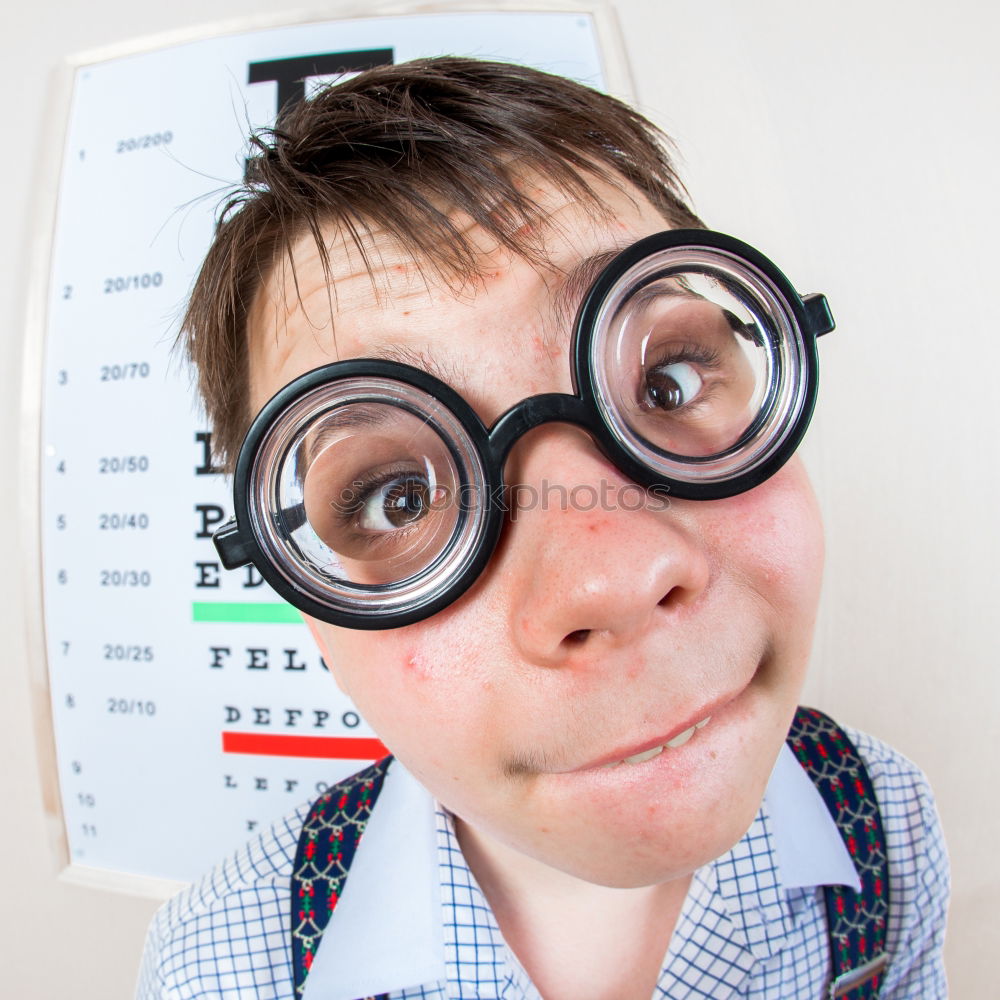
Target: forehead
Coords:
[(387, 303)]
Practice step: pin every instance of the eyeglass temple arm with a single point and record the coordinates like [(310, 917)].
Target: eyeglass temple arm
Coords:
[(818, 313), (231, 545)]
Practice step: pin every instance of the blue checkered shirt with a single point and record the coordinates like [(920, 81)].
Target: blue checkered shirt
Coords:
[(751, 926)]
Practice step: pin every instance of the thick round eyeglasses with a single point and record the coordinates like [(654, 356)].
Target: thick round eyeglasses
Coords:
[(369, 493)]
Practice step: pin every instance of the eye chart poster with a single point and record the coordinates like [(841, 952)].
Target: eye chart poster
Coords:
[(189, 705)]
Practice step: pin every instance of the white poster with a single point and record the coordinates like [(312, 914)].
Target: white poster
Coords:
[(190, 706)]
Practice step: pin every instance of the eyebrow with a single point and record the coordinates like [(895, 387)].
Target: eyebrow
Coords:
[(573, 285), (404, 355)]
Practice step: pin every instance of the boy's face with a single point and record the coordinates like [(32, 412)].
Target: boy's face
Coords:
[(593, 634)]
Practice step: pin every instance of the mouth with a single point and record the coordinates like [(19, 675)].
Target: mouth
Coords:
[(672, 744), (636, 754)]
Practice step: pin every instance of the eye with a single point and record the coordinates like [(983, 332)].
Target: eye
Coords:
[(394, 504), (671, 386)]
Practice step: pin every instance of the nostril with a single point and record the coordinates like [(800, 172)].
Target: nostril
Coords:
[(671, 598), (578, 637)]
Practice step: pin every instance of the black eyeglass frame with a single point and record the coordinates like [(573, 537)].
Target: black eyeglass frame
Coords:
[(238, 545)]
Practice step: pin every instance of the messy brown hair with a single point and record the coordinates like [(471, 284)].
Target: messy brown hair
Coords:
[(398, 149)]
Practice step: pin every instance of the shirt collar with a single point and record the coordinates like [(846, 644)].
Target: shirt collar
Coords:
[(808, 847), (387, 931)]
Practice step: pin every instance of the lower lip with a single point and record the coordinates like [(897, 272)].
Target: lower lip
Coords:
[(677, 765)]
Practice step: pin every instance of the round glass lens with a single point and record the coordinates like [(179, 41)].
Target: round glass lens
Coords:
[(363, 495), (696, 359)]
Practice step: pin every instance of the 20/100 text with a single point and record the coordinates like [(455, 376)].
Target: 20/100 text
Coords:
[(133, 282)]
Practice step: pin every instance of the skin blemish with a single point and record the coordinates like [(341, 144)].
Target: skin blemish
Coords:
[(415, 666)]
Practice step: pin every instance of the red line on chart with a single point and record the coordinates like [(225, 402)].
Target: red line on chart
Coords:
[(285, 745)]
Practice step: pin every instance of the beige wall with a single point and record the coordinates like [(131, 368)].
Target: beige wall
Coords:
[(856, 143)]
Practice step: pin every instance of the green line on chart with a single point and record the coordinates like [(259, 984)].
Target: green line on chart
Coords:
[(270, 612)]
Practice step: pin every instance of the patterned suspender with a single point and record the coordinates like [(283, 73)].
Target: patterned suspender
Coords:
[(326, 849), (857, 921)]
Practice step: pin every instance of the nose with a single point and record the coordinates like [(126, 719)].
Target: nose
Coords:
[(590, 559)]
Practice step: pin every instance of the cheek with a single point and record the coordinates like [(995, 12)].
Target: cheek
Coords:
[(772, 539), (424, 689)]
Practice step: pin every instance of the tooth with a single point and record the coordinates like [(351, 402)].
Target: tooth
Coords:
[(678, 741), (638, 758), (681, 738)]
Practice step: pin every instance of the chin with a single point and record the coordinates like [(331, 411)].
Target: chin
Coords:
[(629, 866), (633, 853)]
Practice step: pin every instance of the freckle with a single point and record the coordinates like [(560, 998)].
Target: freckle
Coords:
[(406, 312)]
